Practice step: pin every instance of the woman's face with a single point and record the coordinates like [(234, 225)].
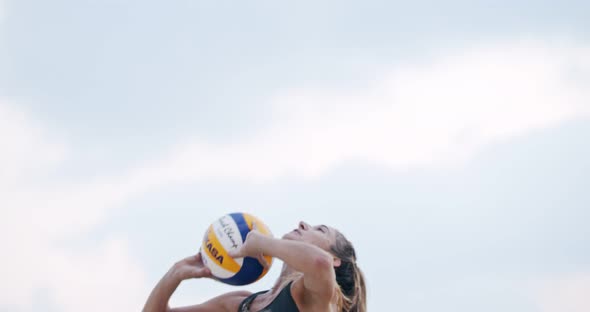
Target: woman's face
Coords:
[(320, 235)]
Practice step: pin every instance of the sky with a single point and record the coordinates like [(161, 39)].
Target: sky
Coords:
[(448, 140)]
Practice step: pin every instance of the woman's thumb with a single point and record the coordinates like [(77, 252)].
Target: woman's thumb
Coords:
[(203, 272), (235, 253)]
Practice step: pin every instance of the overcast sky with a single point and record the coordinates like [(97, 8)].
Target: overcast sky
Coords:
[(449, 140)]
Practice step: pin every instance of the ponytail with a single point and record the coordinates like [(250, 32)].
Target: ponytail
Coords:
[(359, 303), (352, 291)]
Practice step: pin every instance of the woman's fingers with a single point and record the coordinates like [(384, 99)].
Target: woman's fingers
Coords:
[(193, 260), (203, 272), (260, 258), (263, 261), (237, 253)]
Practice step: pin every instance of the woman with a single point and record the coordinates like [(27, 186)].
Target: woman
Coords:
[(319, 274)]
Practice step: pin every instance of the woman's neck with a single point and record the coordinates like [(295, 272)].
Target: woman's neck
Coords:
[(287, 275)]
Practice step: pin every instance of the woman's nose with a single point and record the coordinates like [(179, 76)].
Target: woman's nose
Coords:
[(303, 225)]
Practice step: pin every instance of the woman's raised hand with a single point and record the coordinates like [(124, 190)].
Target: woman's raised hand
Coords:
[(252, 247), (190, 267)]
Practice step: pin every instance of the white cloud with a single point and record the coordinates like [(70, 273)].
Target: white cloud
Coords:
[(430, 114), (433, 113), (75, 281), (35, 216), (25, 149), (104, 279), (567, 293)]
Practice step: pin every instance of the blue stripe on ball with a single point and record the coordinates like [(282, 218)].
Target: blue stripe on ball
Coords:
[(249, 273), (242, 224)]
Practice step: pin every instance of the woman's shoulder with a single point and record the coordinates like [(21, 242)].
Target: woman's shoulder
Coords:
[(306, 300)]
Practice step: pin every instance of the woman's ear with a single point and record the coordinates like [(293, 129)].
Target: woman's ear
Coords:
[(337, 262)]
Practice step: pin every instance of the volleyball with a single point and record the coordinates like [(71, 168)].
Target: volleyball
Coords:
[(226, 234)]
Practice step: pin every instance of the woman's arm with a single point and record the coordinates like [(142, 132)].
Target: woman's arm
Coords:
[(160, 295), (191, 267), (316, 264)]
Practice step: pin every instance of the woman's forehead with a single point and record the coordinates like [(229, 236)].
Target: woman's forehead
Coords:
[(330, 231), (325, 227)]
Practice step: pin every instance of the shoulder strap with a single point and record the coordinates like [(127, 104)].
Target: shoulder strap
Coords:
[(245, 305)]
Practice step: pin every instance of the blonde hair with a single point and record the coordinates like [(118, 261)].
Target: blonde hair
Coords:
[(352, 293)]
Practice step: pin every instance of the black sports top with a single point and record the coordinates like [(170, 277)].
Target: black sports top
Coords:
[(282, 303)]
